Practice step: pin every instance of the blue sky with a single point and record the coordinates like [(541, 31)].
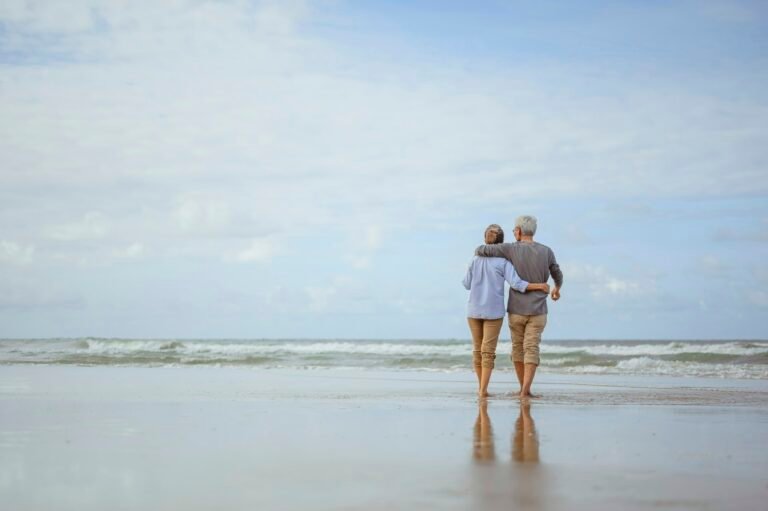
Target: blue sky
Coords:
[(325, 169)]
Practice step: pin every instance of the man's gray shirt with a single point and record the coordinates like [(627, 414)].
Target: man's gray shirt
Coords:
[(533, 262)]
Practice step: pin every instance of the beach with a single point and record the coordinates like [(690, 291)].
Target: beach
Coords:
[(193, 438)]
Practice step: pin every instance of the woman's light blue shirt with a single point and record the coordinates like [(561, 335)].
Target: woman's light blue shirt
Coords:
[(485, 280)]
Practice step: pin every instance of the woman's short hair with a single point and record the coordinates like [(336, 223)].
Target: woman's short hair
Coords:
[(494, 234), (527, 224)]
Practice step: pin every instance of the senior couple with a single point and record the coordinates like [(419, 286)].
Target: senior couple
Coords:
[(526, 266)]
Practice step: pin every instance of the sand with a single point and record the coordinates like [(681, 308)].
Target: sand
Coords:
[(194, 438)]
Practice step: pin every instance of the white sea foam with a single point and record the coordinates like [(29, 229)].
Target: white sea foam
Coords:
[(672, 348), (411, 348), (282, 347), (709, 359), (650, 366)]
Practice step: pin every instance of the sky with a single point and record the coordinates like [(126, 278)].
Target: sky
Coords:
[(300, 169)]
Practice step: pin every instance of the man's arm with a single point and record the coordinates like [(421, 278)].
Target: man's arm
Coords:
[(518, 284), (557, 275), (495, 250)]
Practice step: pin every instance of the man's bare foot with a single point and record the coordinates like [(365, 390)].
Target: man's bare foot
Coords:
[(529, 396), (483, 394)]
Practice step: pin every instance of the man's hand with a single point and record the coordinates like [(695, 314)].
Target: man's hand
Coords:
[(556, 294), (546, 288)]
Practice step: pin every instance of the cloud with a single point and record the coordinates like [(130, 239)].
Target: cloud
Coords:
[(607, 287), (93, 225), (250, 101), (342, 294), (738, 11), (761, 274), (260, 250), (239, 130), (200, 214), (729, 234), (364, 243), (758, 298), (320, 297), (132, 251), (713, 266), (18, 294), (15, 253), (373, 237)]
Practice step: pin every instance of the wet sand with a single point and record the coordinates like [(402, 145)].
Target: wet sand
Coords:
[(201, 438)]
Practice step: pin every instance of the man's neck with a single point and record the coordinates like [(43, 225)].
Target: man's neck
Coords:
[(526, 239)]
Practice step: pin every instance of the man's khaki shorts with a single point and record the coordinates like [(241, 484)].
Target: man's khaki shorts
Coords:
[(526, 337)]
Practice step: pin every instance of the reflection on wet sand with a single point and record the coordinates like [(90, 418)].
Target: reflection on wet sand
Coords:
[(525, 442), (525, 439), (519, 484), (483, 435)]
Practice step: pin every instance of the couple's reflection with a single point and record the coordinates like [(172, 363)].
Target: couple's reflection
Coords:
[(519, 483), (525, 440)]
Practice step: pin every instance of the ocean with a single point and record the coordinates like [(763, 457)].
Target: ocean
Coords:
[(708, 359)]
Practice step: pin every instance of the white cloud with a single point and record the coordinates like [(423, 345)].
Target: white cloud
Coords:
[(712, 264), (604, 286), (373, 237), (737, 11), (616, 286), (320, 297), (761, 274), (216, 129), (199, 214), (359, 262), (364, 242), (132, 251), (92, 225), (45, 16), (24, 294), (758, 298), (342, 294), (239, 99), (260, 250), (15, 253)]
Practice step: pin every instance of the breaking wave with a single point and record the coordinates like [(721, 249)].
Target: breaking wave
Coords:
[(725, 359)]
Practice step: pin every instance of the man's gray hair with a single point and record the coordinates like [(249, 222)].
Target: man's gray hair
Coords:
[(527, 224)]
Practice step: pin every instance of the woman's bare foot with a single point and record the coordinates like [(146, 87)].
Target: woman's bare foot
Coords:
[(529, 396), (482, 394)]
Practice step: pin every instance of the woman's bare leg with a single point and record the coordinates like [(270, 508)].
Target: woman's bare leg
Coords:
[(485, 378)]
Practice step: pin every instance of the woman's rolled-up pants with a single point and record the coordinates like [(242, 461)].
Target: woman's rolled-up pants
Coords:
[(485, 336)]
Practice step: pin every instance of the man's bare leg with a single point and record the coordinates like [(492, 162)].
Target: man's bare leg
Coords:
[(520, 371), (530, 372)]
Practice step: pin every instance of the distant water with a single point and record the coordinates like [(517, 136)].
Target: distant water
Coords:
[(719, 359)]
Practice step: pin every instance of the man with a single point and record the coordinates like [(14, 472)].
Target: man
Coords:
[(534, 263)]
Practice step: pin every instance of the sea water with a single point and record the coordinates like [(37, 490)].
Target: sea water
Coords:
[(719, 359)]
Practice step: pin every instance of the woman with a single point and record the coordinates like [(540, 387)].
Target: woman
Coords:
[(485, 309)]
